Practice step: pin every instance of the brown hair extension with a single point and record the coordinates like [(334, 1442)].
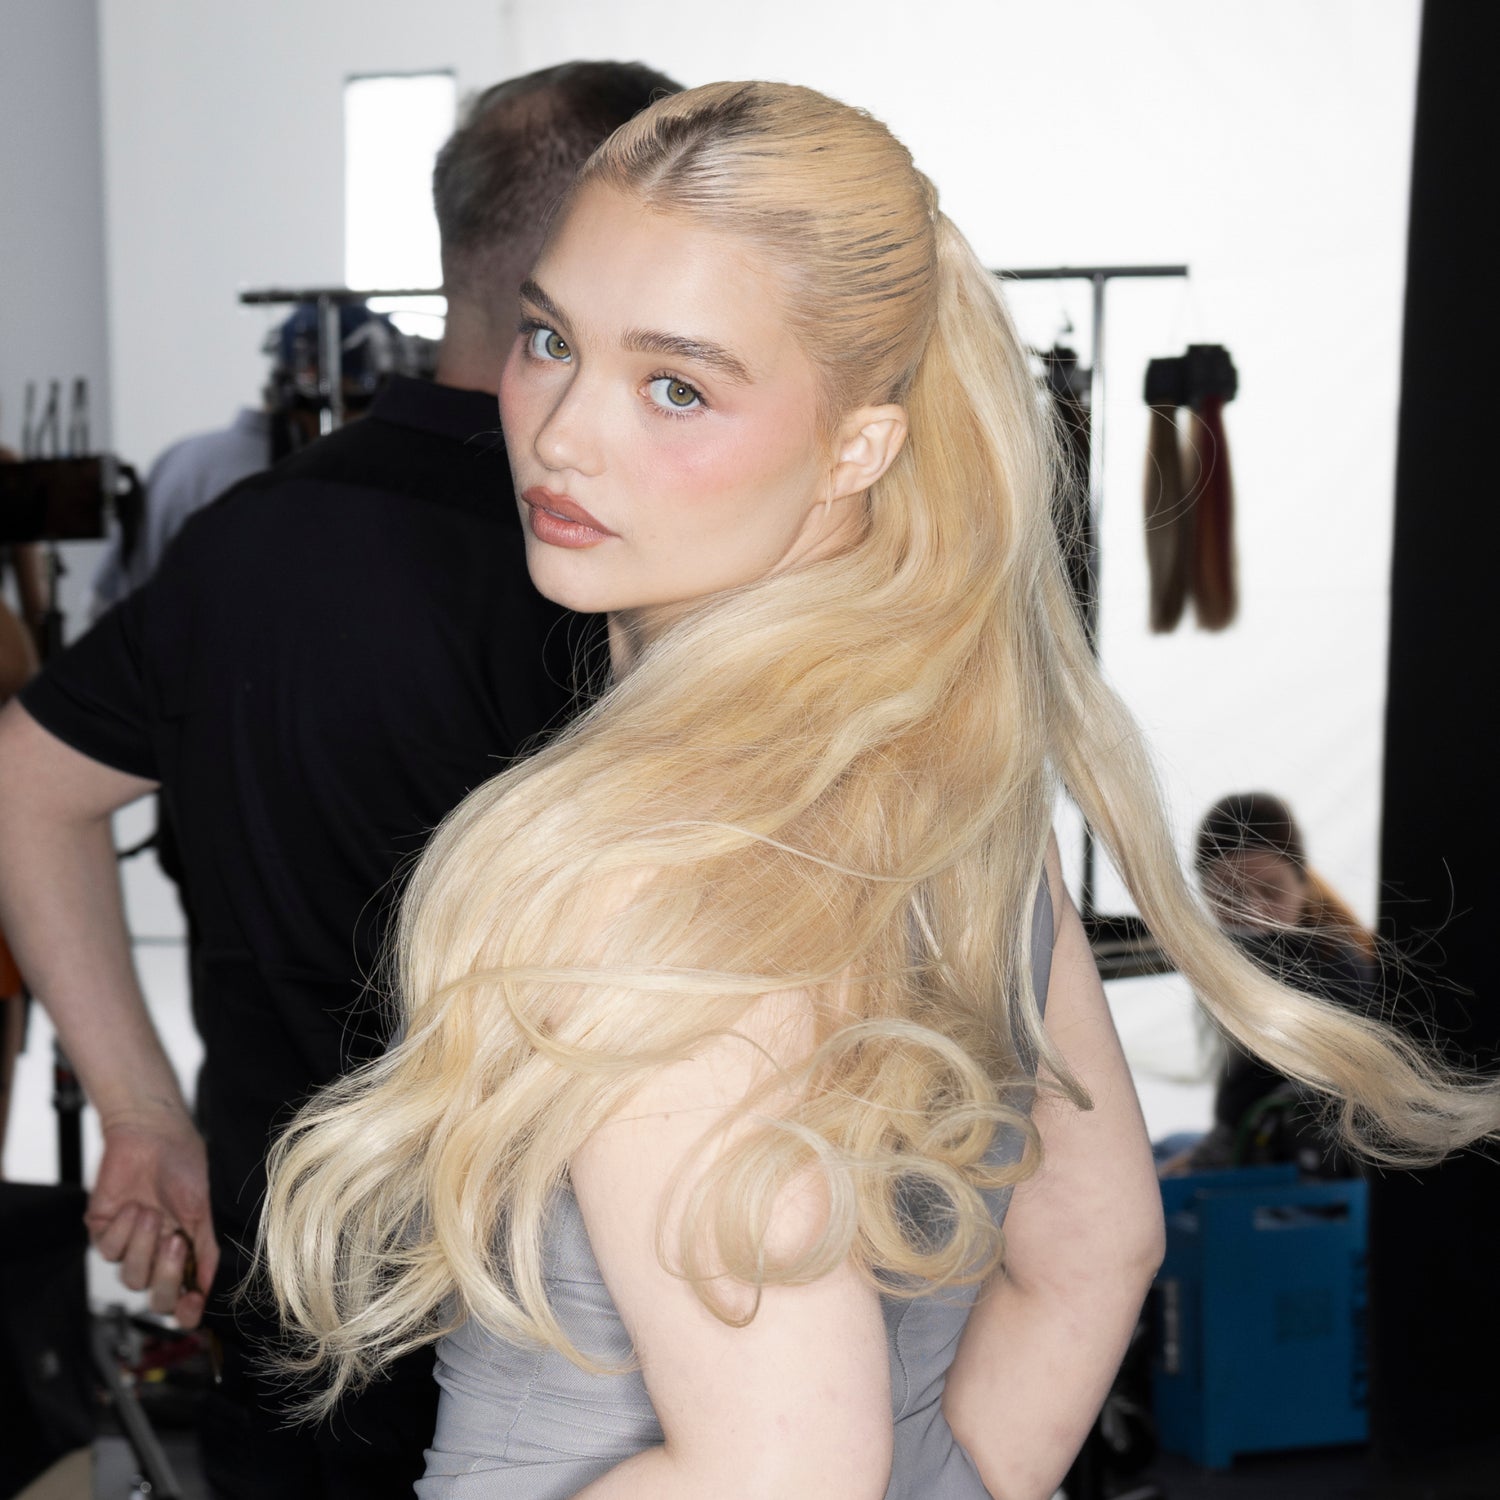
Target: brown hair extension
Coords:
[(1169, 520), (1215, 593)]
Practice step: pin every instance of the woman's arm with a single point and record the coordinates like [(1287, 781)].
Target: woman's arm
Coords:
[(1083, 1239), (795, 1403)]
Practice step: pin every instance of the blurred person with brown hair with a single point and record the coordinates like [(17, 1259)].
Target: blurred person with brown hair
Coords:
[(1251, 861)]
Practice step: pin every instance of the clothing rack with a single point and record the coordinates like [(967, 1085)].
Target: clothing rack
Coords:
[(330, 353), (1120, 948), (1098, 278)]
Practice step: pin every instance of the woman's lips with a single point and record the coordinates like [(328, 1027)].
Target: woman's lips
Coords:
[(561, 522)]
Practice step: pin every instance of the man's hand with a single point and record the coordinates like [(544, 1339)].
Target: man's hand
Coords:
[(149, 1211)]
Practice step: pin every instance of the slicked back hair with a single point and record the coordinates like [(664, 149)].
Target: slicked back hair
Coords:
[(501, 174)]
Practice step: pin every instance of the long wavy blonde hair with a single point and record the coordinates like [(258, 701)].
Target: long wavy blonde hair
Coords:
[(839, 779)]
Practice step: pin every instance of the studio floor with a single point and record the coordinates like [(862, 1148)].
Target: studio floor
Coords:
[(1333, 1474)]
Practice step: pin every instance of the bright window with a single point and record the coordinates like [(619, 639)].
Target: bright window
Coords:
[(394, 124)]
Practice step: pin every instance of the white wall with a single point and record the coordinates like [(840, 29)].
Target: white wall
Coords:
[(1266, 145), (52, 321), (1264, 142), (224, 161), (52, 317)]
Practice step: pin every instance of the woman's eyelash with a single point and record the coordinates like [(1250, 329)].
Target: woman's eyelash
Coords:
[(700, 401), (533, 326)]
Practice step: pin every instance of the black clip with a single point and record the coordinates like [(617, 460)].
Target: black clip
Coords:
[(1190, 379)]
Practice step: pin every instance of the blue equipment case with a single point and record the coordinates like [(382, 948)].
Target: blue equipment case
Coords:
[(1259, 1340)]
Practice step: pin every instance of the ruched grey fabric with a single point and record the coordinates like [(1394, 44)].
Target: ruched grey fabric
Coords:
[(523, 1423)]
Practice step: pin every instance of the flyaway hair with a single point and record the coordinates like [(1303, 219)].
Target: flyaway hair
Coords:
[(838, 780)]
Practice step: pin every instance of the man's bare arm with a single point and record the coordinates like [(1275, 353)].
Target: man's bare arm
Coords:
[(62, 909)]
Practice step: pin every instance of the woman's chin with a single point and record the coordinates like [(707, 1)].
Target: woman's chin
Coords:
[(563, 585)]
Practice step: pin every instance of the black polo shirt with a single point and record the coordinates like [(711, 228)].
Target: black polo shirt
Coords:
[(328, 658)]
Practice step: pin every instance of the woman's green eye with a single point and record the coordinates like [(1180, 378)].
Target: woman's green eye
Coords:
[(678, 395), (546, 344)]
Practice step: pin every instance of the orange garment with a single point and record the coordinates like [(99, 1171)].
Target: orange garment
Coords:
[(17, 654), (10, 975), (17, 663)]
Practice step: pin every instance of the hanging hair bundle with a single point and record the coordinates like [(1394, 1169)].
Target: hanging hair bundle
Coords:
[(1189, 491), (1072, 512), (1167, 508), (1211, 382), (1169, 512)]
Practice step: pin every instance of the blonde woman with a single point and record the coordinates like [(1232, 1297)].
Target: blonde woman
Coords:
[(722, 1013)]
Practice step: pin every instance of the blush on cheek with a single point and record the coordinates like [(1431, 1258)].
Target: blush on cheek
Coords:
[(753, 458), (510, 391), (699, 471)]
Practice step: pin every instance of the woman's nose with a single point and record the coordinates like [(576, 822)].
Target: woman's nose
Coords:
[(568, 438)]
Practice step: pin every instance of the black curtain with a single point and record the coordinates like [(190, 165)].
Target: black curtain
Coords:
[(1435, 1235)]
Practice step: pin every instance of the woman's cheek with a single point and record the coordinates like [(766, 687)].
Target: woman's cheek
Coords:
[(512, 392), (706, 461)]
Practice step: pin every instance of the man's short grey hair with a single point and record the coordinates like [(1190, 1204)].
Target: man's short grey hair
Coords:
[(502, 173)]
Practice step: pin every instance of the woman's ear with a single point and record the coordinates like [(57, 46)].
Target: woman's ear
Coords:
[(868, 441)]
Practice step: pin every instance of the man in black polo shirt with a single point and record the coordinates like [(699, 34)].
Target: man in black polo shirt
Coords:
[(326, 661)]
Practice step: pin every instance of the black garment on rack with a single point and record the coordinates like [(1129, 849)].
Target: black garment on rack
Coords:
[(1072, 512)]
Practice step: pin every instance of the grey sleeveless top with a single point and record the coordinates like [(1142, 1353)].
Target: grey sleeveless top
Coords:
[(521, 1423)]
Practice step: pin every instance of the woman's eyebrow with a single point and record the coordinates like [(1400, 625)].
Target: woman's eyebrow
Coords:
[(675, 345), (532, 293)]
